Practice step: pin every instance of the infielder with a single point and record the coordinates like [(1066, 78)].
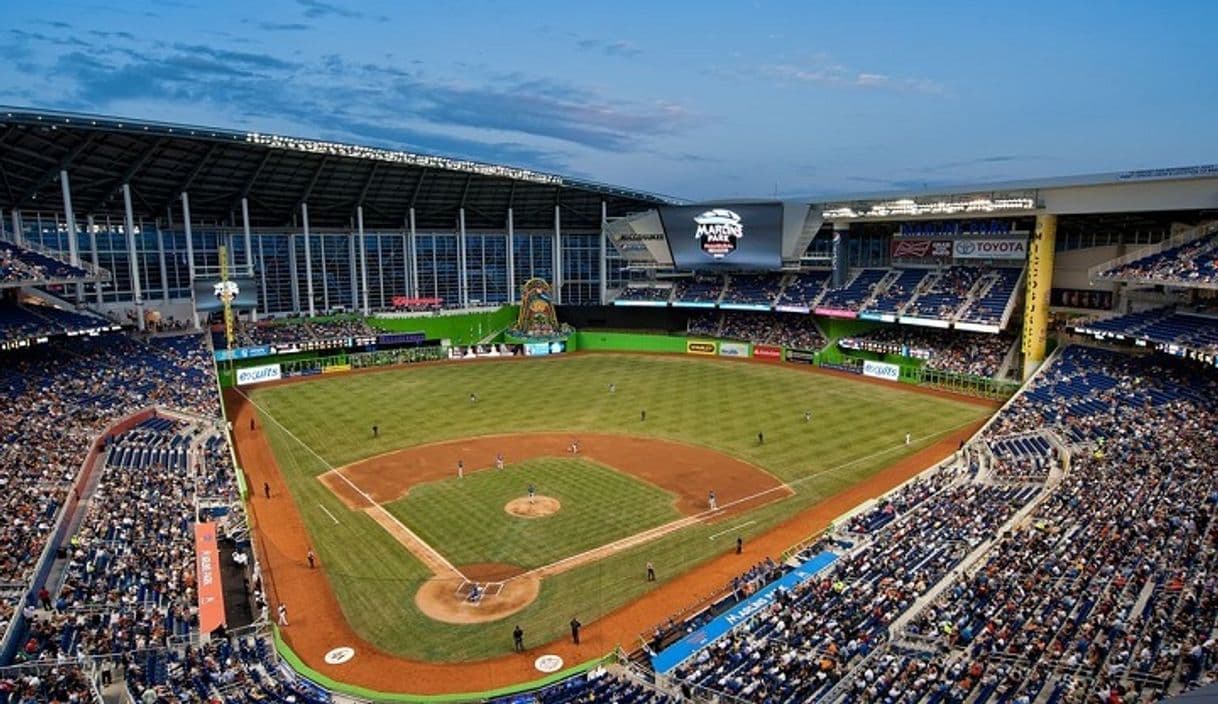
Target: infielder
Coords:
[(532, 492), (712, 501), (499, 461), (908, 438), (460, 469)]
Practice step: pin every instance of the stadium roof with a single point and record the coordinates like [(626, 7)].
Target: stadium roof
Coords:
[(219, 167)]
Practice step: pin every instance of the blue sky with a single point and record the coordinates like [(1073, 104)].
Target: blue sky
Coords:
[(695, 99)]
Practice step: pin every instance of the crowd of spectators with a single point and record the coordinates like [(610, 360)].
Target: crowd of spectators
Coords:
[(290, 331), (1111, 585), (19, 265), (855, 293), (956, 351), (652, 294), (753, 289), (1189, 263), (1196, 331), (781, 329), (700, 288), (23, 322), (898, 292)]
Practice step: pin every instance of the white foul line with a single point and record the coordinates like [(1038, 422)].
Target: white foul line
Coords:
[(729, 530), (435, 555), (332, 518)]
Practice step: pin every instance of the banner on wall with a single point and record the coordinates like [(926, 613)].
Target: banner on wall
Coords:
[(258, 375), (701, 347), (802, 356), (767, 352), (881, 370), (920, 249), (207, 571), (733, 349), (995, 248)]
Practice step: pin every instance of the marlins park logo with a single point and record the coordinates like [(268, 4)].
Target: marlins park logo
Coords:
[(718, 231), (226, 291)]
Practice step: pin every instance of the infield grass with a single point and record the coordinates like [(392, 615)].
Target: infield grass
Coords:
[(857, 430), (465, 520)]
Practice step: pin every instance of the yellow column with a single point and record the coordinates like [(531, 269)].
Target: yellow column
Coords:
[(1036, 301)]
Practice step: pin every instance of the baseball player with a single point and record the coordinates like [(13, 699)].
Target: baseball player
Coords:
[(473, 398), (908, 438), (499, 461), (807, 416), (612, 388), (712, 501), (532, 492), (460, 469), (283, 614)]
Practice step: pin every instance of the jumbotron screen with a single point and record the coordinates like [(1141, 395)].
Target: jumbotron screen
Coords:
[(727, 236), (209, 293)]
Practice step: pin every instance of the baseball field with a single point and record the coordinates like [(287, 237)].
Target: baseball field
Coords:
[(401, 538)]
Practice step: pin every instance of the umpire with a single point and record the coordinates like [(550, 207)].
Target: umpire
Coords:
[(575, 626)]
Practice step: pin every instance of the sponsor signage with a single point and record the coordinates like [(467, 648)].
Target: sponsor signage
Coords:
[(767, 352), (654, 304), (837, 313), (878, 317), (223, 355), (744, 306), (401, 338), (701, 347), (925, 322), (881, 370), (207, 572), (793, 309), (672, 656), (258, 375), (802, 356), (733, 349), (978, 327), (920, 249), (991, 248)]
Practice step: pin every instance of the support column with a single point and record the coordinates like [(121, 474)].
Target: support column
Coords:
[(132, 257), (604, 277), (70, 215), (412, 240), (1036, 299), (190, 253), (557, 283), (304, 218), (18, 234), (262, 278), (245, 225), (354, 273), (160, 253), (511, 257), (293, 276), (325, 277), (97, 287), (462, 265), (840, 254), (363, 257)]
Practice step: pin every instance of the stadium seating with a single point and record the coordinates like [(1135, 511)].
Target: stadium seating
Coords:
[(855, 293), (804, 289), (781, 329), (699, 289), (1164, 327), (21, 265), (752, 289), (977, 354), (295, 331), (651, 294), (942, 296), (23, 322), (998, 287), (899, 292), (1190, 263)]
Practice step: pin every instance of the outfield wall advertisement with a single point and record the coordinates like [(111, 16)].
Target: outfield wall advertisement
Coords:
[(708, 347), (767, 352), (802, 356), (733, 349), (259, 374), (881, 370)]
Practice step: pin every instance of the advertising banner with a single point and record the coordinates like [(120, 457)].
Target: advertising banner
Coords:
[(801, 356), (920, 249), (767, 352), (995, 248), (733, 349), (732, 235), (881, 370), (701, 347), (223, 355), (257, 375), (837, 313), (677, 653), (878, 317), (207, 571)]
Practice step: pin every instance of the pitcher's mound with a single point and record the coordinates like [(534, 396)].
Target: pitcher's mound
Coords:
[(538, 507)]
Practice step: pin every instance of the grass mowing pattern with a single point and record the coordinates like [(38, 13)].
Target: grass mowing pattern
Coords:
[(464, 518), (857, 430)]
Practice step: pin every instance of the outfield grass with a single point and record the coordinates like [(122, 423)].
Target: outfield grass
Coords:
[(857, 430), (464, 518)]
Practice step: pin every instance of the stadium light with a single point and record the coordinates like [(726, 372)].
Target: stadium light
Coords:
[(908, 207), (399, 157)]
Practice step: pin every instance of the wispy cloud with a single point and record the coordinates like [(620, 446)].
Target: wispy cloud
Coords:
[(617, 47), (282, 26), (316, 9), (822, 70)]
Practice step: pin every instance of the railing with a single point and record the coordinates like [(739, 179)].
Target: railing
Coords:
[(93, 271), (1182, 238)]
